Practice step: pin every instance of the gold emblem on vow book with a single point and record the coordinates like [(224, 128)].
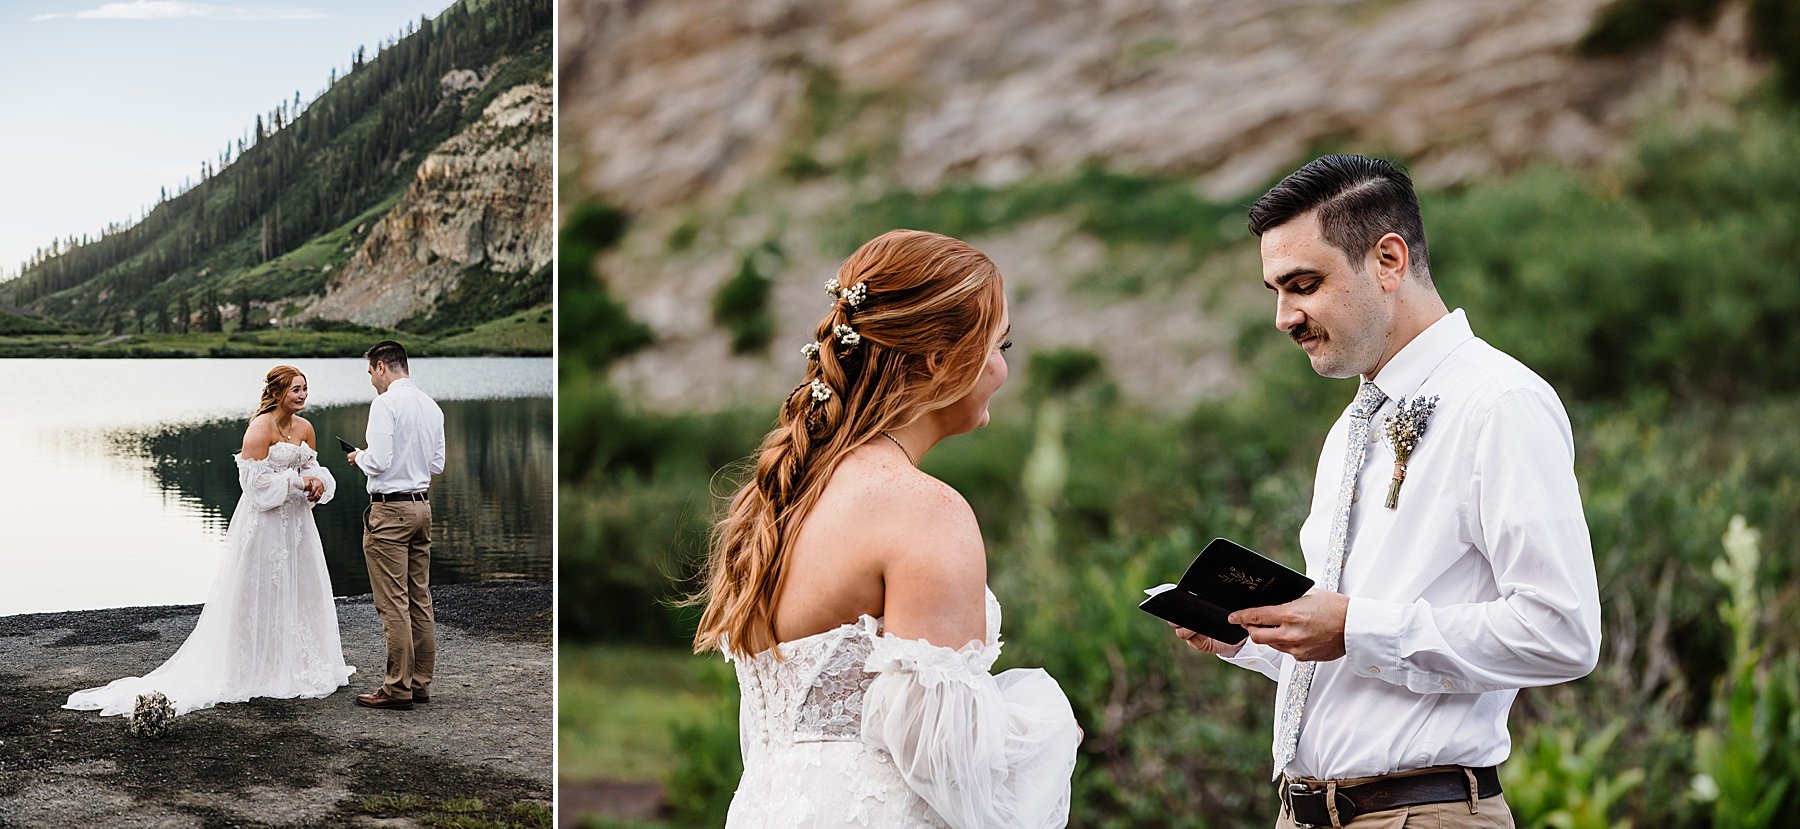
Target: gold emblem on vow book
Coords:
[(1238, 577)]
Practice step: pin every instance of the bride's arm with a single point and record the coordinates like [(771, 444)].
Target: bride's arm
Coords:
[(984, 751), (314, 469)]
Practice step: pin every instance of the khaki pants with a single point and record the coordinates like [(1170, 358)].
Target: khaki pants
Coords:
[(397, 548)]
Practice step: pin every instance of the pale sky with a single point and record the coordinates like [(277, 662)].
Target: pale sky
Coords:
[(104, 103)]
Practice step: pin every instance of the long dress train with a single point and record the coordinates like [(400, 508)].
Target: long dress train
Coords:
[(269, 627)]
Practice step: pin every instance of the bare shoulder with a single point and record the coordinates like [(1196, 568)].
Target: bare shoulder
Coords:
[(304, 431), (916, 522), (927, 546), (257, 437)]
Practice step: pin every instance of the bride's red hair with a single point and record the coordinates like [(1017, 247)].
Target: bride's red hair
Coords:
[(274, 386), (927, 319)]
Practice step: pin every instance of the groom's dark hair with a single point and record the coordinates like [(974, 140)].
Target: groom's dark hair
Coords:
[(1359, 201), (391, 353)]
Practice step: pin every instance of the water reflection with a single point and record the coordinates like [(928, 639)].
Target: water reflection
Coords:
[(490, 508), (116, 478)]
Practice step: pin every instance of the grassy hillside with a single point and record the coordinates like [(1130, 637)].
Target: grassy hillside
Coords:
[(270, 222)]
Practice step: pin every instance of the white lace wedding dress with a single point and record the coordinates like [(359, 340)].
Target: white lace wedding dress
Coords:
[(856, 728), (269, 628)]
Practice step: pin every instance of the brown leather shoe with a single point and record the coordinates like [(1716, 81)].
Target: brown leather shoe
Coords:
[(383, 701), (421, 697)]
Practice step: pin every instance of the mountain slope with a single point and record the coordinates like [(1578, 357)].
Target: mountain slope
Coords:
[(1102, 154), (263, 236)]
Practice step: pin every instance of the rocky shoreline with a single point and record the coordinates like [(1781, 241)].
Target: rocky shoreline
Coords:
[(481, 752)]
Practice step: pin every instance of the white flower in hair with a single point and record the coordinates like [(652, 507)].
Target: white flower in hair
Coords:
[(846, 334), (810, 351), (855, 294), (831, 286), (820, 391)]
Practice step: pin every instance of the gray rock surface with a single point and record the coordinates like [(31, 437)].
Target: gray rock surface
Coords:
[(688, 114), (487, 732)]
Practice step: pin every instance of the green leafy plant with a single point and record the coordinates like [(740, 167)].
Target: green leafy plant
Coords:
[(1557, 783), (1753, 731), (700, 788)]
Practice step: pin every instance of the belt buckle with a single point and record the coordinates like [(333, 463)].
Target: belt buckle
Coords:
[(1292, 789)]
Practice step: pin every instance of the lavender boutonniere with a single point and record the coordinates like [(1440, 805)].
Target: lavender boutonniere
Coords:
[(1404, 428)]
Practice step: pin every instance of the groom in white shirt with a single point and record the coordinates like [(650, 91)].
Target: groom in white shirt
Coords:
[(1452, 572), (405, 448)]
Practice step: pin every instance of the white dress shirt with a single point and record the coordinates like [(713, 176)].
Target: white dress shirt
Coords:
[(406, 440), (1481, 582)]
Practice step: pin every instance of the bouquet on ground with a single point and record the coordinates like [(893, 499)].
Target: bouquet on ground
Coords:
[(152, 717)]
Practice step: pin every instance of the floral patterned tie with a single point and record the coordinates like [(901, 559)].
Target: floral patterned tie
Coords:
[(1293, 706)]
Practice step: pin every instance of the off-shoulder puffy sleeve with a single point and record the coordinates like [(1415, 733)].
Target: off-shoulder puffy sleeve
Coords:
[(267, 486), (984, 750), (314, 469)]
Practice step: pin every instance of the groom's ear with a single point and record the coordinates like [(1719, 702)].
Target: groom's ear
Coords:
[(1389, 261)]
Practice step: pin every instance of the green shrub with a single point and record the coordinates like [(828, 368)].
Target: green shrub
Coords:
[(1681, 277), (742, 306), (700, 788), (593, 328), (1552, 781)]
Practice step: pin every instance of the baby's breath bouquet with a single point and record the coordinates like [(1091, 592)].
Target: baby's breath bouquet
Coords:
[(152, 717), (1404, 428)]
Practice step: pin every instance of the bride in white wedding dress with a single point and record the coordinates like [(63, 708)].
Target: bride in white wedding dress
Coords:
[(849, 587), (269, 627)]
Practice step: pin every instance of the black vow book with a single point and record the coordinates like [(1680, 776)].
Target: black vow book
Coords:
[(1226, 577), (345, 445)]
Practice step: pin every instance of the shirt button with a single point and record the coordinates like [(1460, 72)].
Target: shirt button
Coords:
[(1448, 685), (1374, 669)]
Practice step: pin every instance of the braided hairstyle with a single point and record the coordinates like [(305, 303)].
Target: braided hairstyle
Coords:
[(274, 386), (913, 317)]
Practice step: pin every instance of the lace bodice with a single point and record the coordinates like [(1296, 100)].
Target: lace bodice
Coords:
[(290, 456), (815, 693), (855, 727)]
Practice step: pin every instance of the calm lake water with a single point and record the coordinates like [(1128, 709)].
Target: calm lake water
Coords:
[(117, 479)]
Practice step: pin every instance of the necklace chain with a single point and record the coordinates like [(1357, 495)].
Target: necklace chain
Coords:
[(902, 446)]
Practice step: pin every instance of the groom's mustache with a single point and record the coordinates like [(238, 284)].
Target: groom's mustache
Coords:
[(1302, 331)]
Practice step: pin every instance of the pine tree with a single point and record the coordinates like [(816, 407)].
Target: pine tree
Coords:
[(244, 308)]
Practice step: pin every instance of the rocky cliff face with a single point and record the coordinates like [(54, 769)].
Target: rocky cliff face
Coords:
[(670, 101), (695, 115), (479, 204)]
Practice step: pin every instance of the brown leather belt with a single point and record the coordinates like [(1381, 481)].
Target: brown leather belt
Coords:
[(378, 497), (1309, 803)]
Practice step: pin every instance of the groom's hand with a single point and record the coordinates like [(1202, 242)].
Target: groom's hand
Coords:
[(352, 457), (1310, 628)]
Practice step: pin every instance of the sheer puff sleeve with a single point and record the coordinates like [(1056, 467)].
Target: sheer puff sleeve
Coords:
[(269, 486), (314, 469), (984, 750)]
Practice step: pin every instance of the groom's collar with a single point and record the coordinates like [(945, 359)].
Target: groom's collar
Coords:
[(398, 380), (1403, 375)]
